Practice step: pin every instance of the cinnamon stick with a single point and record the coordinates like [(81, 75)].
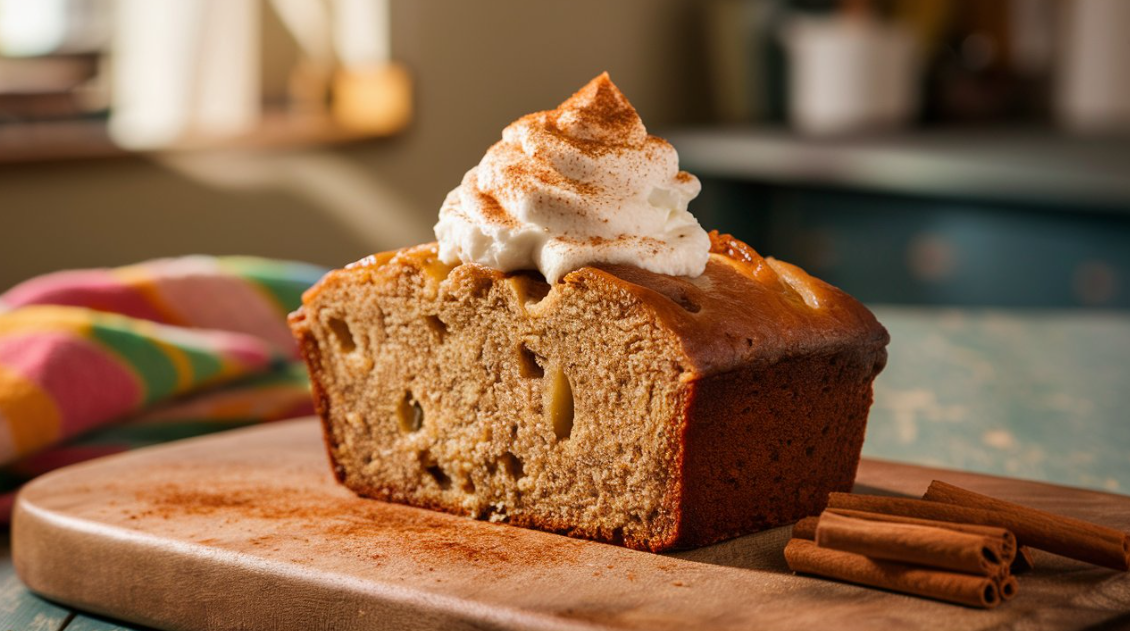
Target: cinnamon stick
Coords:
[(1007, 538), (1066, 536), (806, 528), (914, 544), (1008, 587), (1025, 533), (974, 591), (918, 509)]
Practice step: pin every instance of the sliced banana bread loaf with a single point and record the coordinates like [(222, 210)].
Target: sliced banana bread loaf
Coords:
[(619, 404)]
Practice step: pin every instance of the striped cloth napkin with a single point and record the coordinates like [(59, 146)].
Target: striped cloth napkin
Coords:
[(95, 362)]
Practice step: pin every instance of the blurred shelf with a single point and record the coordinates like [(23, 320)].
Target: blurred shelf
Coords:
[(997, 165), (89, 138), (56, 140)]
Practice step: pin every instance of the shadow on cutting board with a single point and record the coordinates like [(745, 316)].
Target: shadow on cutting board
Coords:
[(760, 551)]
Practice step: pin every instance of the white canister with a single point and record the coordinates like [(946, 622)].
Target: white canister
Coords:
[(1092, 92), (849, 74)]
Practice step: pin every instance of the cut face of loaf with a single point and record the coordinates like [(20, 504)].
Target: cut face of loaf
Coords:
[(619, 405)]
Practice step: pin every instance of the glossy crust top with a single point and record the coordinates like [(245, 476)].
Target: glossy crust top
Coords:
[(745, 309)]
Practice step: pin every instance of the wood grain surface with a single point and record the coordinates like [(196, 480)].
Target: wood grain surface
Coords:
[(247, 530)]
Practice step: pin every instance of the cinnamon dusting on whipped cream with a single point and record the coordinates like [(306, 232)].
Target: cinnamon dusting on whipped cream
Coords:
[(577, 185)]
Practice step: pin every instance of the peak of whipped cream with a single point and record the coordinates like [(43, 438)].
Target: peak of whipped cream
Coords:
[(574, 186)]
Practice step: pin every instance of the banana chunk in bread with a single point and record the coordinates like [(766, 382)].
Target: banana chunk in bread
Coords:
[(620, 405)]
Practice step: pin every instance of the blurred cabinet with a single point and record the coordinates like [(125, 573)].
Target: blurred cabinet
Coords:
[(948, 220)]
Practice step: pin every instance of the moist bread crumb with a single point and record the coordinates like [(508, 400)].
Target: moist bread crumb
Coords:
[(620, 405)]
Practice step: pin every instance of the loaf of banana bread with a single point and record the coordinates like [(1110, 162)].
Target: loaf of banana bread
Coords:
[(619, 404)]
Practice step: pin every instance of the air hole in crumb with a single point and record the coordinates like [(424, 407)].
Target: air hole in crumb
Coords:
[(513, 465), (344, 335), (618, 536), (440, 477), (529, 288), (749, 342), (808, 451), (436, 325), (468, 485), (560, 404), (536, 290), (409, 414), (432, 468), (528, 364), (533, 287)]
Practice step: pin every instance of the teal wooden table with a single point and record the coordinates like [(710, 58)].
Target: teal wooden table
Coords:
[(1029, 394)]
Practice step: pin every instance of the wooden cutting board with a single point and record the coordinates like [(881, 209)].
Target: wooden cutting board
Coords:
[(247, 530)]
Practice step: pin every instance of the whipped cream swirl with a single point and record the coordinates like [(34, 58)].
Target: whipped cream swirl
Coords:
[(575, 186)]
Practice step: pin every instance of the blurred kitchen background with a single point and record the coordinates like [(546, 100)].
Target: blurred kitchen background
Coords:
[(961, 165), (916, 152)]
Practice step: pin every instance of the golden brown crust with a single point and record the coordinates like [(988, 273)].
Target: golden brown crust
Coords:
[(744, 309)]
